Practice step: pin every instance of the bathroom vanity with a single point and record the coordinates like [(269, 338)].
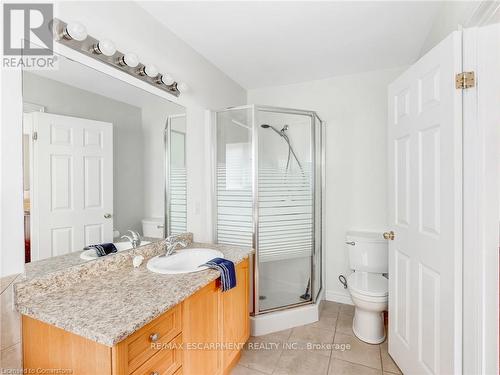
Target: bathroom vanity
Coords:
[(104, 157), (106, 317)]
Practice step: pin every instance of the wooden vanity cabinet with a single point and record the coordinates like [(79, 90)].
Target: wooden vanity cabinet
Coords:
[(49, 347), (217, 319), (235, 318), (200, 336), (201, 322)]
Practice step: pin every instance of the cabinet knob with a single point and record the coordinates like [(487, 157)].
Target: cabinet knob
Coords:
[(107, 216), (154, 337), (155, 373)]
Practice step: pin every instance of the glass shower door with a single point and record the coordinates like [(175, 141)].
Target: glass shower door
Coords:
[(286, 210), (234, 195), (268, 165)]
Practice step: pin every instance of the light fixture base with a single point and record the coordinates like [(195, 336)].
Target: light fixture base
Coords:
[(87, 48)]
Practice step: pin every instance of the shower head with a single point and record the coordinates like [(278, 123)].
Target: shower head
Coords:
[(282, 134), (266, 126)]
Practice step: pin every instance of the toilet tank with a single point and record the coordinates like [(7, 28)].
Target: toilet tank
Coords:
[(368, 251), (152, 227)]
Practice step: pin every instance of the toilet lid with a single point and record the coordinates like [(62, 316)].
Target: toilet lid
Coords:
[(369, 284)]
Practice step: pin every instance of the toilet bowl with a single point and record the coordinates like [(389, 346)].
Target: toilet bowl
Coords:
[(152, 227), (367, 285), (370, 298)]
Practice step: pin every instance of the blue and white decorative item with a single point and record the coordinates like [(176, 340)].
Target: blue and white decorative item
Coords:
[(227, 272)]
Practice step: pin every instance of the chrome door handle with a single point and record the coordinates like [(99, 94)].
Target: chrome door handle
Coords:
[(389, 235), (108, 216)]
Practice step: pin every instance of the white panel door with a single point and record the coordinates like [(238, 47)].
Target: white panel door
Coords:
[(425, 212), (72, 189)]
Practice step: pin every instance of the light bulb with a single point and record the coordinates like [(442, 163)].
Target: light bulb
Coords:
[(167, 79), (151, 70), (130, 59), (76, 31), (182, 87), (106, 47)]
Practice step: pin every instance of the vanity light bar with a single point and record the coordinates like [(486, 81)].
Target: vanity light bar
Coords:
[(75, 37)]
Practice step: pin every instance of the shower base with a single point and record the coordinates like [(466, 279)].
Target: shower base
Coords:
[(273, 299), (280, 320)]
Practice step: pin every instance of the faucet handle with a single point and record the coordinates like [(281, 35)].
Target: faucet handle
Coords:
[(170, 239), (134, 234), (173, 245)]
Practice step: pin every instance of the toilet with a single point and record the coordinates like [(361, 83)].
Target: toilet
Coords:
[(152, 227), (368, 284)]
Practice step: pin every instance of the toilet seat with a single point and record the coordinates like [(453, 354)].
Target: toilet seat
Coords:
[(370, 285)]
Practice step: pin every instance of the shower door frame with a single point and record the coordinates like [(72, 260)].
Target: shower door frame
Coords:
[(318, 154), (167, 148)]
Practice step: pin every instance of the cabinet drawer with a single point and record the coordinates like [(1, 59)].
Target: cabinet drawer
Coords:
[(137, 348), (166, 361)]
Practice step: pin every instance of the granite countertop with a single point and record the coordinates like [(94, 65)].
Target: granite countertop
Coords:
[(43, 267), (108, 306)]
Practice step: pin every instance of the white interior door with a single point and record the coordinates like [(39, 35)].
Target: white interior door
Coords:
[(425, 212), (72, 187)]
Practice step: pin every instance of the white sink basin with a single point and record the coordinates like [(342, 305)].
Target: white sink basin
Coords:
[(184, 261), (120, 246)]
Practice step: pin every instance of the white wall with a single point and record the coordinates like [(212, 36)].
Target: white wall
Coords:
[(132, 29), (354, 108)]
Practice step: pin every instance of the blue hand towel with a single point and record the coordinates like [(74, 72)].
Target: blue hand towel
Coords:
[(227, 273), (103, 249)]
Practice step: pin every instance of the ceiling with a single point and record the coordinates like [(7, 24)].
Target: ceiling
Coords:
[(261, 44)]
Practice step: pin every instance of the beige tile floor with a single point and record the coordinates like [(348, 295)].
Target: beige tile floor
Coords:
[(261, 355), (10, 327)]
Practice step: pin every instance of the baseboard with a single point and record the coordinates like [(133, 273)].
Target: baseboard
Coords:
[(338, 297)]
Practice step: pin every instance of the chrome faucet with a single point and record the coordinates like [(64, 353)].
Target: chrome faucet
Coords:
[(171, 243), (134, 238)]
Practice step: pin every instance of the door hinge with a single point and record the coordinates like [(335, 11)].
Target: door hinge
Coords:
[(465, 80), (35, 136)]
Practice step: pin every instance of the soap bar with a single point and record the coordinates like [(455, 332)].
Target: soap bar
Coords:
[(137, 261)]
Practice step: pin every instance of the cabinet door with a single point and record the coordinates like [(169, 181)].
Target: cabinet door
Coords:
[(235, 315), (200, 318)]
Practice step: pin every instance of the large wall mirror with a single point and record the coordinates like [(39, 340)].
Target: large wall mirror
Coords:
[(104, 162)]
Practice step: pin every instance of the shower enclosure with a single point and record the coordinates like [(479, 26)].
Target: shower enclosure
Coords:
[(268, 195)]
